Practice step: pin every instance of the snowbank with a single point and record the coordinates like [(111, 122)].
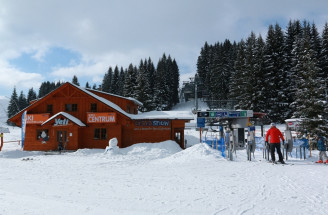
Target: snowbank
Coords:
[(200, 151), (150, 151)]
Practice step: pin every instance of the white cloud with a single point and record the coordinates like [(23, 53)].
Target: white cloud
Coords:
[(11, 77), (109, 33)]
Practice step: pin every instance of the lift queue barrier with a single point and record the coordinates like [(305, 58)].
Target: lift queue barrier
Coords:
[(216, 143), (298, 145)]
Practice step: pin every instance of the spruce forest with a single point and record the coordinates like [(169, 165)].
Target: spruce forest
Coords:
[(284, 75)]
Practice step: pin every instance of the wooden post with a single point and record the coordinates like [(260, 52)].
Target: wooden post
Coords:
[(1, 141), (200, 134)]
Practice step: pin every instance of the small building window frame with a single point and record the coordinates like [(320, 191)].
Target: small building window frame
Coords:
[(71, 107), (74, 107), (49, 108), (93, 107), (100, 134), (68, 107), (39, 134)]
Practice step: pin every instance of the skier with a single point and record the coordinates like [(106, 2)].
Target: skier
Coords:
[(322, 150), (275, 136)]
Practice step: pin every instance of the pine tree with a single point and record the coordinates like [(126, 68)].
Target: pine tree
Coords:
[(115, 81), (142, 89), (31, 95), (294, 30), (107, 81), (323, 60), (308, 102), (175, 84), (94, 87), (161, 91), (22, 101), (130, 82), (236, 79), (259, 96), (323, 76), (121, 81), (228, 60), (13, 107), (203, 63), (169, 81), (75, 81), (87, 85), (151, 75), (249, 73), (315, 41), (47, 87), (274, 73), (215, 72)]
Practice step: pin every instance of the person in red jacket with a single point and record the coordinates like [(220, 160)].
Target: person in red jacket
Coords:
[(275, 136)]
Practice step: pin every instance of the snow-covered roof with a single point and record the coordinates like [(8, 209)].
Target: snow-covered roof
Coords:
[(184, 115), (68, 116), (295, 120), (128, 98), (187, 115)]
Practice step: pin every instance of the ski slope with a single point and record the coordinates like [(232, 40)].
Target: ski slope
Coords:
[(157, 178)]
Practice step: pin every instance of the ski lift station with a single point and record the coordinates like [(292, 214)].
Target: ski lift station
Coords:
[(231, 132)]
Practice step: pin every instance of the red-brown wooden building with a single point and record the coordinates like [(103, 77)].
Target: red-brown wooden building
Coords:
[(83, 118)]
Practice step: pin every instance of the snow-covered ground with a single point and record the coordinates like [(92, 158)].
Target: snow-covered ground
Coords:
[(157, 178)]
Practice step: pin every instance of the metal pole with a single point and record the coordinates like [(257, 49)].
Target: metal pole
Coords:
[(196, 99)]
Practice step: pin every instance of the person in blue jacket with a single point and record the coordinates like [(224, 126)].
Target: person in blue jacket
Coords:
[(322, 150)]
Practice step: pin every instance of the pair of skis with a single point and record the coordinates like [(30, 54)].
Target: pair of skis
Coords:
[(278, 163)]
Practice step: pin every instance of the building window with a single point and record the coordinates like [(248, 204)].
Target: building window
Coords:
[(49, 108), (42, 135), (71, 107), (93, 107), (68, 107), (100, 134), (74, 107), (128, 108)]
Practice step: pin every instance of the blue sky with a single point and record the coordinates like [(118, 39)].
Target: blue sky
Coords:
[(50, 41), (56, 57)]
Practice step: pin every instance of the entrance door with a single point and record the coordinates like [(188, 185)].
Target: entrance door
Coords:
[(61, 139), (178, 137)]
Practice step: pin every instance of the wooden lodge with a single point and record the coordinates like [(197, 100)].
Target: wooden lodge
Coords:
[(76, 118)]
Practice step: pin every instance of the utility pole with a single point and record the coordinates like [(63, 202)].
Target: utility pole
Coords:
[(196, 99)]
